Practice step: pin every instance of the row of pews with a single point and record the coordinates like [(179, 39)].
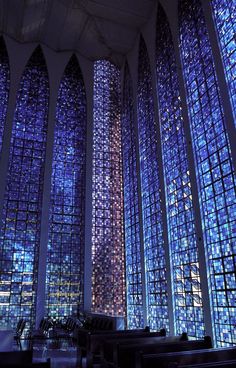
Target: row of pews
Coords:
[(20, 359), (201, 358), (145, 349)]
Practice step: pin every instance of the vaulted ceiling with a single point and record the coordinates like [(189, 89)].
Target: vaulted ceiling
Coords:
[(94, 28)]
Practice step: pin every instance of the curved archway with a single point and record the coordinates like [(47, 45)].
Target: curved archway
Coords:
[(20, 231)]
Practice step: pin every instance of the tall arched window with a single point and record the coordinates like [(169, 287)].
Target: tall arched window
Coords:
[(108, 276), (188, 308), (4, 86), (154, 253), (224, 16), (65, 255), (20, 230), (134, 287), (214, 169)]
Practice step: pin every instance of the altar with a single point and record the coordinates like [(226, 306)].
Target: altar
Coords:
[(6, 339)]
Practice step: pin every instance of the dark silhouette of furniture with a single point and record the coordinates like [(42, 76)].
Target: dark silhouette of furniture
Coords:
[(185, 358)]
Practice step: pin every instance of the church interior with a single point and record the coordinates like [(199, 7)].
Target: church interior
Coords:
[(117, 183)]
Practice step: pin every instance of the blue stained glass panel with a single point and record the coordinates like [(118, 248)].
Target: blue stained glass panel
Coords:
[(188, 308), (20, 229), (134, 289), (215, 173), (224, 12), (108, 269), (65, 255), (154, 252)]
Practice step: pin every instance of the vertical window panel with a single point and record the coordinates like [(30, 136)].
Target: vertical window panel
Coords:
[(224, 12), (65, 255), (4, 87), (20, 230), (154, 253), (131, 210), (108, 280), (188, 308), (215, 175)]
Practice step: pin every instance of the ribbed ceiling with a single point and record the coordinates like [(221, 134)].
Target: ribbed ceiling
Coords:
[(95, 28)]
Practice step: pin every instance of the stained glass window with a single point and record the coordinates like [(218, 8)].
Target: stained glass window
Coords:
[(65, 256), (20, 229), (108, 281), (224, 12), (4, 86), (188, 311), (131, 210), (215, 176), (154, 253)]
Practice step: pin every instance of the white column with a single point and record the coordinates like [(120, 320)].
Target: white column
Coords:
[(56, 65), (133, 67), (87, 69), (150, 34)]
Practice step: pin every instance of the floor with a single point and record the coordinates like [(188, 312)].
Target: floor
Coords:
[(63, 354)]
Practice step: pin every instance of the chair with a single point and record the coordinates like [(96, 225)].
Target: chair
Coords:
[(65, 331), (19, 330), (41, 333)]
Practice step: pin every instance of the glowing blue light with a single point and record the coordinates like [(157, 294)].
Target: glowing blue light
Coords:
[(225, 21), (20, 230), (188, 308), (65, 256), (215, 175), (131, 210), (154, 253)]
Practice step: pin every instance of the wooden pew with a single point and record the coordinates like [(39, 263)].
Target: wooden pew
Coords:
[(46, 364), (92, 346), (121, 353), (95, 322), (223, 364), (191, 358), (16, 358), (96, 342), (86, 338)]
